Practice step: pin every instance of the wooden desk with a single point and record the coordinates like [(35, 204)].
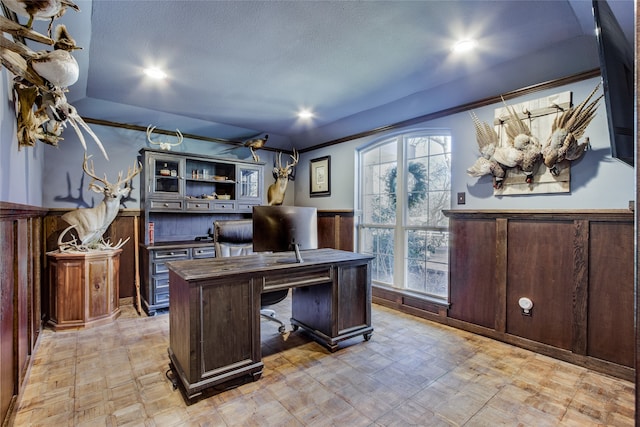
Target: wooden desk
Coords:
[(214, 315)]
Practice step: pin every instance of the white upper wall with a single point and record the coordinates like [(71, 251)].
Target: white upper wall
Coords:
[(52, 177), (597, 180), (20, 168)]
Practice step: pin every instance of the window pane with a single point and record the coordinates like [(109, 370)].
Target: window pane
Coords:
[(439, 172), (438, 200), (378, 164), (379, 242), (439, 145), (427, 262), (417, 185)]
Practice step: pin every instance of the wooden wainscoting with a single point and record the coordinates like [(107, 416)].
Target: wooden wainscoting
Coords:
[(20, 298), (576, 266), (336, 230)]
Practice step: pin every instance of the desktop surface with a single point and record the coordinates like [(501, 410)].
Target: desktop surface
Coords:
[(202, 268)]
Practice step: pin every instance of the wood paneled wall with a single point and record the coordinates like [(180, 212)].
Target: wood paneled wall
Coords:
[(336, 230), (576, 267), (20, 300)]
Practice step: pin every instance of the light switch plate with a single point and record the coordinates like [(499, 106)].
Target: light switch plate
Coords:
[(461, 198)]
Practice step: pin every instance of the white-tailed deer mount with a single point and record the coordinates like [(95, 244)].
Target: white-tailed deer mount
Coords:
[(275, 193), (91, 223), (164, 145)]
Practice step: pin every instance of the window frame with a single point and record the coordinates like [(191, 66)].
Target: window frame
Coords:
[(401, 228)]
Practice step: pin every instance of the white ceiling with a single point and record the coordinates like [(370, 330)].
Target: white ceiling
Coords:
[(242, 68)]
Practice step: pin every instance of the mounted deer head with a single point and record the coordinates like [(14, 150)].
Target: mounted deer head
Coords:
[(91, 223), (275, 193), (164, 145)]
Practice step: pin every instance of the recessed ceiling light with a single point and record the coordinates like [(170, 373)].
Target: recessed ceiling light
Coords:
[(155, 73), (464, 45), (305, 114)]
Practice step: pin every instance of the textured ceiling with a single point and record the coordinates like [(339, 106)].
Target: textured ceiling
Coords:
[(241, 68)]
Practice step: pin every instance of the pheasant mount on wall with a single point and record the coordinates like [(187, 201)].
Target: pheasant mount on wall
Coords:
[(42, 77), (532, 144)]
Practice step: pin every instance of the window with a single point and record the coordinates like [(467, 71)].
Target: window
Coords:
[(404, 186)]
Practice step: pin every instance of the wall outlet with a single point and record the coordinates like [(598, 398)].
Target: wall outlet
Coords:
[(461, 198)]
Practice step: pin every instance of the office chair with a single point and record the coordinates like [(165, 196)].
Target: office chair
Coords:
[(235, 238)]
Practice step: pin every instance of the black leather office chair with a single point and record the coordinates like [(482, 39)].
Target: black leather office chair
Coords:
[(235, 238)]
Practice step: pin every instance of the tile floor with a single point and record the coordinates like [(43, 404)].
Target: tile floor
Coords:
[(412, 372)]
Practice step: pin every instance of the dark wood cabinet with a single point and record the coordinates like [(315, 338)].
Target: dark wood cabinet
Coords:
[(83, 288), (214, 319)]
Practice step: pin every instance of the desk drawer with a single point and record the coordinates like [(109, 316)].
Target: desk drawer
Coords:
[(307, 277)]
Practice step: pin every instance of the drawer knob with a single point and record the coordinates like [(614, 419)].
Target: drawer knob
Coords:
[(166, 205)]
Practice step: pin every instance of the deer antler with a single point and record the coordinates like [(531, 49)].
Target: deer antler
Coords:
[(295, 157), (92, 172), (131, 173), (164, 145)]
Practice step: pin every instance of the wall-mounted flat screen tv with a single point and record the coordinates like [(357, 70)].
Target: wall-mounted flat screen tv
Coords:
[(617, 68)]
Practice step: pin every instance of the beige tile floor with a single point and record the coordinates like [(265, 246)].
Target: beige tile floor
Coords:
[(412, 372)]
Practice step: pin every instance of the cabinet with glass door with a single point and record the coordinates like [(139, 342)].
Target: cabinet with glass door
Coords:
[(250, 187)]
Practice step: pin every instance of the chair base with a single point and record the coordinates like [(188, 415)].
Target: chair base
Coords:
[(271, 315)]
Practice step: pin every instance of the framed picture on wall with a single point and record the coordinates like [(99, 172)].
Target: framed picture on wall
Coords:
[(320, 182)]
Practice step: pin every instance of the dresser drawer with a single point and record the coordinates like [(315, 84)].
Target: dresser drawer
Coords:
[(160, 290), (246, 207), (225, 206), (161, 298), (200, 205), (203, 252), (166, 205), (173, 254)]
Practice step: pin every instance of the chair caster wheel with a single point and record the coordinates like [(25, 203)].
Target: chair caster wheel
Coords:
[(294, 328), (282, 329)]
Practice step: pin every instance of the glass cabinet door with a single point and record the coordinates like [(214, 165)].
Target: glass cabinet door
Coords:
[(249, 183), (165, 177)]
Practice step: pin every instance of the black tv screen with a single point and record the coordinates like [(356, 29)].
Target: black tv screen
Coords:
[(617, 69), (281, 228)]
